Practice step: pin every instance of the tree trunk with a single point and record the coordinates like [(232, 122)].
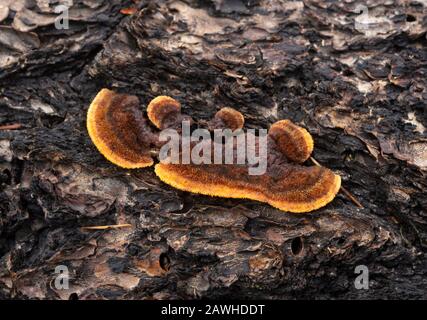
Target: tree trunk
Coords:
[(354, 76)]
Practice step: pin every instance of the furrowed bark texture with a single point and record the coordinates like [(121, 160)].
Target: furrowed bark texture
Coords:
[(356, 81)]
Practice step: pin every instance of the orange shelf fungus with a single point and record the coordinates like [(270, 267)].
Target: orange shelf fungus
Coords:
[(291, 188), (293, 141), (121, 133), (163, 109), (117, 128), (128, 11), (165, 112), (227, 118)]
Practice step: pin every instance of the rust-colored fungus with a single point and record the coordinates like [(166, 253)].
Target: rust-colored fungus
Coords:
[(291, 188), (293, 141), (119, 130), (163, 110), (227, 118)]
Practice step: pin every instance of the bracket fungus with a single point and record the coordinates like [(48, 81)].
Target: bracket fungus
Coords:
[(165, 112), (293, 141), (118, 128), (163, 109), (227, 118), (290, 188)]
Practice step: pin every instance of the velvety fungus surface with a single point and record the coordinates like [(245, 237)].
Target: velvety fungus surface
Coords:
[(163, 110), (293, 141), (121, 133), (227, 118), (118, 129), (289, 187)]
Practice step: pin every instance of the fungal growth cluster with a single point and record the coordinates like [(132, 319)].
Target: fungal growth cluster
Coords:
[(120, 130)]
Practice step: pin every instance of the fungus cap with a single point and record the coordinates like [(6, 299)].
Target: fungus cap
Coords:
[(118, 129), (293, 141), (231, 118), (290, 188), (161, 108)]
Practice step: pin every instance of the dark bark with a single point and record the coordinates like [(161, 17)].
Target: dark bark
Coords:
[(360, 92)]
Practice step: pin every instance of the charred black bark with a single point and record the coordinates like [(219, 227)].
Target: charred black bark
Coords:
[(357, 83)]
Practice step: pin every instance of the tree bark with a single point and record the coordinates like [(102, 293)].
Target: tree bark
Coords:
[(356, 81)]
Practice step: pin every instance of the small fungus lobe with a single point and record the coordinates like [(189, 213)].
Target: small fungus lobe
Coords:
[(293, 141), (163, 111), (227, 118)]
